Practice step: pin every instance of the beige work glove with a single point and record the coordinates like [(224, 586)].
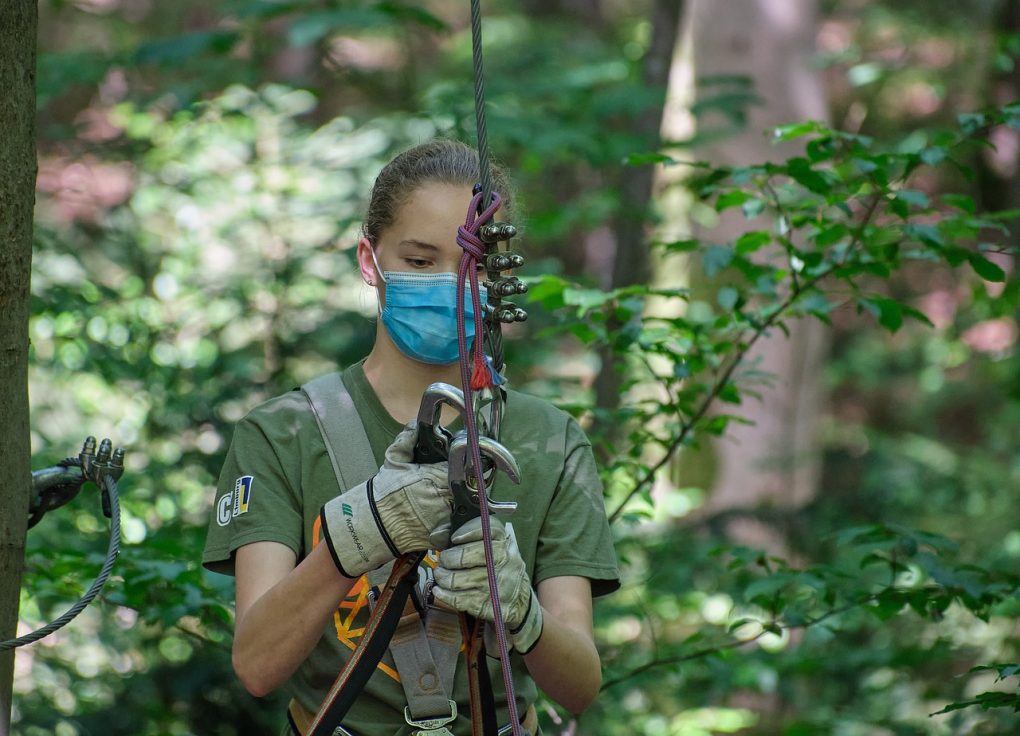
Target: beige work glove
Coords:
[(462, 582), (405, 507)]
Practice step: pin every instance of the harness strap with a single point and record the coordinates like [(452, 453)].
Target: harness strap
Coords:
[(300, 719), (426, 659), (341, 426)]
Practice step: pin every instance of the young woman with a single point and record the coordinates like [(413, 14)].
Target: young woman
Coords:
[(301, 604)]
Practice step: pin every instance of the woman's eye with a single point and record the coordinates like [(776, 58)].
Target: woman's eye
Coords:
[(417, 262)]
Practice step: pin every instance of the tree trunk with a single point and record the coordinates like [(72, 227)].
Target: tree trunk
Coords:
[(631, 260), (776, 460), (18, 27), (998, 169)]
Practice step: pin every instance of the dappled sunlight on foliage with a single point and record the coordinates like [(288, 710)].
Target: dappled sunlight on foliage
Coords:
[(196, 220)]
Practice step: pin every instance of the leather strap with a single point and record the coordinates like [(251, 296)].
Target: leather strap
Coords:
[(483, 704), (371, 647)]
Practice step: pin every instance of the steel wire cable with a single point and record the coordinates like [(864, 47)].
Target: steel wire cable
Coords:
[(110, 487), (483, 206)]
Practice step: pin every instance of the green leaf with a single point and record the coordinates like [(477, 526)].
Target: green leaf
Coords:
[(900, 208), (891, 314), (934, 156), (888, 311), (797, 130), (547, 290), (409, 11), (730, 199), (800, 170), (752, 241), (830, 235), (986, 269), (972, 122), (733, 626), (752, 208), (925, 233), (889, 603), (916, 314), (716, 424), (873, 558), (312, 27), (765, 588), (729, 393), (644, 159), (585, 299), (960, 202), (727, 297), (715, 258), (682, 246), (821, 149), (913, 198)]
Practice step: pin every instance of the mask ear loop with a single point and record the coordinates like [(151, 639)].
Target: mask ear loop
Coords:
[(378, 270), (382, 278)]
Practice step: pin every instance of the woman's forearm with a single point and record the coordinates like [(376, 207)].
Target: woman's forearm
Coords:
[(565, 664), (280, 627)]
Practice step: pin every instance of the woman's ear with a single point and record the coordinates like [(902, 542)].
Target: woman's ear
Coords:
[(366, 262)]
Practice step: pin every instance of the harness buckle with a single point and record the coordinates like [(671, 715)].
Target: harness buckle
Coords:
[(434, 726)]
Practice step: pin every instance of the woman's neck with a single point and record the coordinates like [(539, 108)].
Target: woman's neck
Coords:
[(399, 382)]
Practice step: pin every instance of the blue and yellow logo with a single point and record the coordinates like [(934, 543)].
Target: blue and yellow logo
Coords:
[(242, 494), (234, 503)]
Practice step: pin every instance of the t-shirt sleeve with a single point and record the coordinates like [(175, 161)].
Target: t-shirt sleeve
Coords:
[(254, 500), (575, 538)]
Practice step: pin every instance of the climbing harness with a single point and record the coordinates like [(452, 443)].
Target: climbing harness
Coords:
[(53, 487), (424, 653)]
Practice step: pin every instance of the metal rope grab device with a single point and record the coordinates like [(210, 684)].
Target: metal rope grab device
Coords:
[(55, 486)]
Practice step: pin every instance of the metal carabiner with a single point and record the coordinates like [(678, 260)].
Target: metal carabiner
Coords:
[(463, 484), (433, 443)]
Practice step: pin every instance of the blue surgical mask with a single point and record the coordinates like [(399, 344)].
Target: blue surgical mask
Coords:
[(421, 315)]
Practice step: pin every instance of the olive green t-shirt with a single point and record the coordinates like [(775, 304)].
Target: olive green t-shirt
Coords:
[(277, 476)]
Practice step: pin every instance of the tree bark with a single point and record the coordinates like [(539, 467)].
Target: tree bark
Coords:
[(776, 460), (18, 28)]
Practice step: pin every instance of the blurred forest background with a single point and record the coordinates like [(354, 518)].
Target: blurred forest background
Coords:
[(847, 564)]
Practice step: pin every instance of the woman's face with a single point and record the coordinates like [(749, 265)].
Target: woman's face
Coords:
[(423, 236)]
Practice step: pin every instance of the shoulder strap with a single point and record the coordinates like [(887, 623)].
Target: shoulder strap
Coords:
[(341, 427)]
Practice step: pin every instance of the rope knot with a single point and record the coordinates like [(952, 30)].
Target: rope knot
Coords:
[(470, 242), (474, 253)]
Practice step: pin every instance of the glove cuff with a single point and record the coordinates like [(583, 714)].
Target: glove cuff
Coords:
[(353, 534), (526, 636)]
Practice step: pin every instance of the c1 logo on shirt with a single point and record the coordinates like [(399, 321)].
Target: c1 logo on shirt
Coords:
[(234, 503)]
